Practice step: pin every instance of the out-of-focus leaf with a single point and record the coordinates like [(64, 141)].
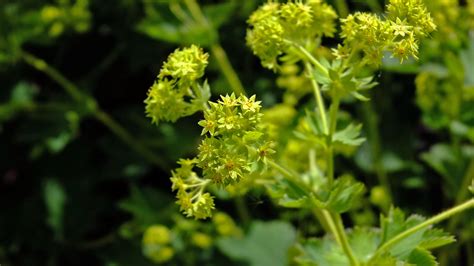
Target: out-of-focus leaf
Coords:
[(266, 244), (341, 196), (448, 163), (55, 200), (349, 136), (218, 14), (184, 34), (21, 97), (288, 195), (148, 207), (467, 58)]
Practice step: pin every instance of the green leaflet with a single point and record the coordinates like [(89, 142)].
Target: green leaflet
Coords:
[(422, 257), (266, 244), (341, 196), (349, 135)]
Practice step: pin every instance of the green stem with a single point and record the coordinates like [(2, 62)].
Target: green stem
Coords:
[(333, 109), (344, 241), (42, 66), (375, 145), (217, 51), (289, 175), (226, 67), (196, 12), (100, 115), (435, 219), (318, 97), (310, 58)]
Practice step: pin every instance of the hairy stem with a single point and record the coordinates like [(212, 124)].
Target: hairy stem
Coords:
[(435, 219), (75, 93), (333, 219)]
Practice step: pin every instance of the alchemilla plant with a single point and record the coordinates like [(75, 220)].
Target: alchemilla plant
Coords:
[(241, 148)]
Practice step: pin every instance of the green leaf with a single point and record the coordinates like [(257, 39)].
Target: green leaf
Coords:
[(327, 252), (349, 135), (364, 242), (266, 244), (21, 97), (288, 194), (394, 224), (434, 238), (321, 252), (341, 196), (55, 200), (147, 206), (421, 257), (447, 162)]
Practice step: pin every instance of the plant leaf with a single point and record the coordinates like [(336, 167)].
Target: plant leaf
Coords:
[(349, 135), (421, 257), (266, 244)]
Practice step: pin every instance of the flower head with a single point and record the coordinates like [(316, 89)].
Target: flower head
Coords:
[(176, 93)]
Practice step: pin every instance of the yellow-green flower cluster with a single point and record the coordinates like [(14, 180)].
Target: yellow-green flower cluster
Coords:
[(176, 92), (406, 23), (156, 244), (233, 145), (274, 26), (234, 139), (66, 14), (413, 13), (193, 201), (185, 65)]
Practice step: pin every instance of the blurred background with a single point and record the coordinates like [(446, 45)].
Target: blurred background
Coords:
[(83, 172)]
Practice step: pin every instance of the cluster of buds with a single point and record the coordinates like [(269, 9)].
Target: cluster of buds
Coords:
[(233, 146), (156, 244), (274, 26), (176, 92), (406, 23)]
